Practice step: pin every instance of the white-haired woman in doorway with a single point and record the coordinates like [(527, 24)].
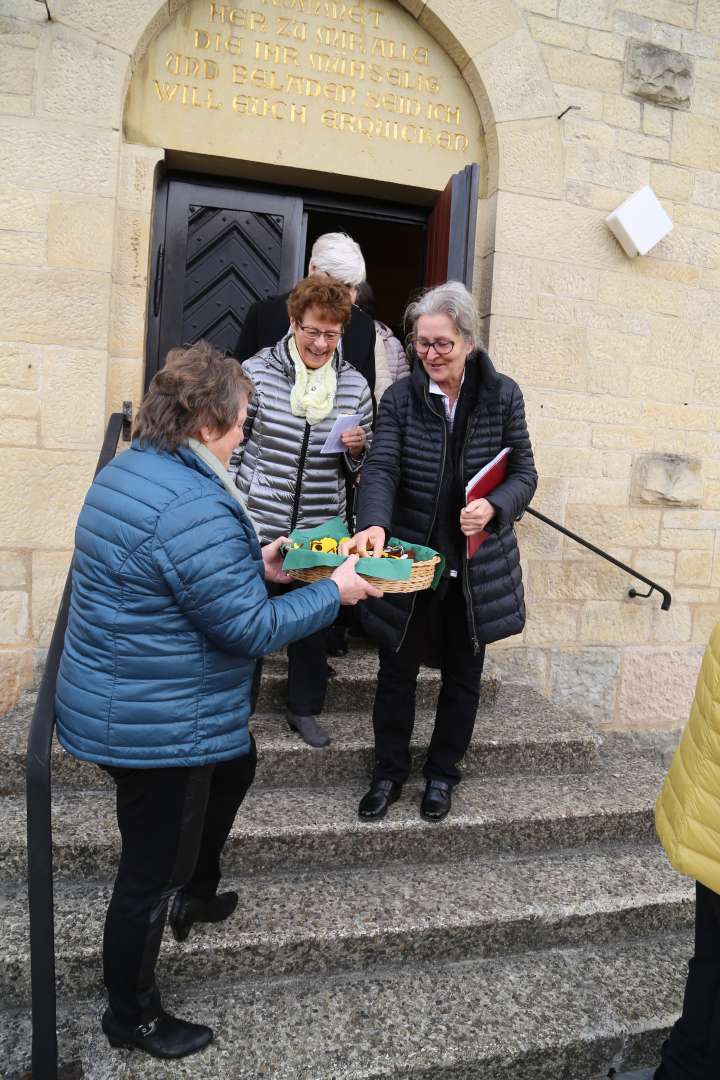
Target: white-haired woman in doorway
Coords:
[(302, 387), (391, 362), (434, 431), (334, 255)]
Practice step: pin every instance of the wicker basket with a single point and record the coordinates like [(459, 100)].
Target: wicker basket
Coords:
[(421, 577)]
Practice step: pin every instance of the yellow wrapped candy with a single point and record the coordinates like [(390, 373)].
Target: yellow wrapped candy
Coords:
[(327, 545)]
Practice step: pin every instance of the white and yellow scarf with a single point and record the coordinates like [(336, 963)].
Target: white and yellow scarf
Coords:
[(313, 394)]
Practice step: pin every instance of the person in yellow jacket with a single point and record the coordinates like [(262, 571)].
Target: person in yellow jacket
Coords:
[(688, 824)]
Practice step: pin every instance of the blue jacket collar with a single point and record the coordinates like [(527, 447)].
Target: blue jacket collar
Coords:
[(183, 453)]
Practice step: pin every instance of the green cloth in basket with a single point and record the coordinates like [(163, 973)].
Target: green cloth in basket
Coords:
[(390, 569)]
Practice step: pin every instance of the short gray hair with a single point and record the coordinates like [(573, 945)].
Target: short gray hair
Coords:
[(451, 299), (337, 254)]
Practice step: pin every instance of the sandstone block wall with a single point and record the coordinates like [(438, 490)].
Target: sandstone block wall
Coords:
[(75, 206), (618, 358), (582, 102)]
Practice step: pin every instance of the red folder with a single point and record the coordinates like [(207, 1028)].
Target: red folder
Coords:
[(482, 483)]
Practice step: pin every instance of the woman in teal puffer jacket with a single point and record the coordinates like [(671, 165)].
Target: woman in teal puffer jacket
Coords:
[(168, 615)]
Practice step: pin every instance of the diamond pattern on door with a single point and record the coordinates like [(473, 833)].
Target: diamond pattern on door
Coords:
[(233, 259)]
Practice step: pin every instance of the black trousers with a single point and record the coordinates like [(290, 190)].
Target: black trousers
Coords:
[(438, 626), (307, 667), (173, 824), (693, 1050)]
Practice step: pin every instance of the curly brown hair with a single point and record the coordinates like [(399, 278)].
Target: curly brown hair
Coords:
[(198, 387), (330, 296)]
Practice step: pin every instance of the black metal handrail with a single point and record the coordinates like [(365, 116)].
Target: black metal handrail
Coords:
[(654, 587), (39, 825)]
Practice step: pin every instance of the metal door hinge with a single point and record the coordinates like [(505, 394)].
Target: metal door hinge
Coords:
[(127, 415)]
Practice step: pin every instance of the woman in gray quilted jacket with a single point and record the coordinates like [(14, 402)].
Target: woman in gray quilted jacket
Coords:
[(302, 386)]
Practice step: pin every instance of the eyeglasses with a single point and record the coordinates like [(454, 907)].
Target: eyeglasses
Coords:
[(331, 336), (441, 346)]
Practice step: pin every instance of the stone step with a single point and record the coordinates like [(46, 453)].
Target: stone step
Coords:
[(518, 731), (330, 921), (353, 686), (565, 1014), (312, 826)]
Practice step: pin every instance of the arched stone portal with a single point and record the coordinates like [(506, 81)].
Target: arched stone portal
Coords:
[(316, 86), (497, 108)]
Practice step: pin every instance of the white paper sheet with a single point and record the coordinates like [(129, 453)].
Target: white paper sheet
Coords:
[(333, 445)]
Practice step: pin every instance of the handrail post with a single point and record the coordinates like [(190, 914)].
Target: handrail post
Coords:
[(40, 868), (39, 830)]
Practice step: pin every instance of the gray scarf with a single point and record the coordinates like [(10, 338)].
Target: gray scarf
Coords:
[(226, 478)]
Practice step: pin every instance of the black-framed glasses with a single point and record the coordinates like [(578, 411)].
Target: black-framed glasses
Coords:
[(331, 336), (442, 346)]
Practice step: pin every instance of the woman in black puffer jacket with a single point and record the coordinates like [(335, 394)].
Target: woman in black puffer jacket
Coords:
[(434, 431)]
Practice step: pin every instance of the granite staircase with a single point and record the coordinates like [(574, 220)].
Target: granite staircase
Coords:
[(536, 934)]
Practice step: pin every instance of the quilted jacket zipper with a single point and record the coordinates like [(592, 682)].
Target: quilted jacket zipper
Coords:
[(435, 510), (298, 480), (466, 568)]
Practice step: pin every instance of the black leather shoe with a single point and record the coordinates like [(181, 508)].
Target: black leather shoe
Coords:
[(187, 910), (162, 1037), (437, 800), (382, 794)]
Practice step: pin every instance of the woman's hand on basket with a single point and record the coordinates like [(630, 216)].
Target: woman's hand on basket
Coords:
[(273, 561), (475, 516), (367, 542), (351, 586)]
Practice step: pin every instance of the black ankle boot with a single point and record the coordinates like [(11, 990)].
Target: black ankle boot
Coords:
[(164, 1036), (187, 910)]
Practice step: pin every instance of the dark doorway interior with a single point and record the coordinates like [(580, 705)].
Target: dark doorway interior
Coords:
[(220, 245), (394, 256)]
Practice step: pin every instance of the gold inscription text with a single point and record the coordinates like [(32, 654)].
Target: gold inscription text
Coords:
[(182, 94), (240, 17), (219, 43), (377, 128), (276, 54), (245, 105), (191, 67)]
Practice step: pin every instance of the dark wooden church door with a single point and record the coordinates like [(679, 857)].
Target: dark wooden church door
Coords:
[(450, 251), (219, 250)]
